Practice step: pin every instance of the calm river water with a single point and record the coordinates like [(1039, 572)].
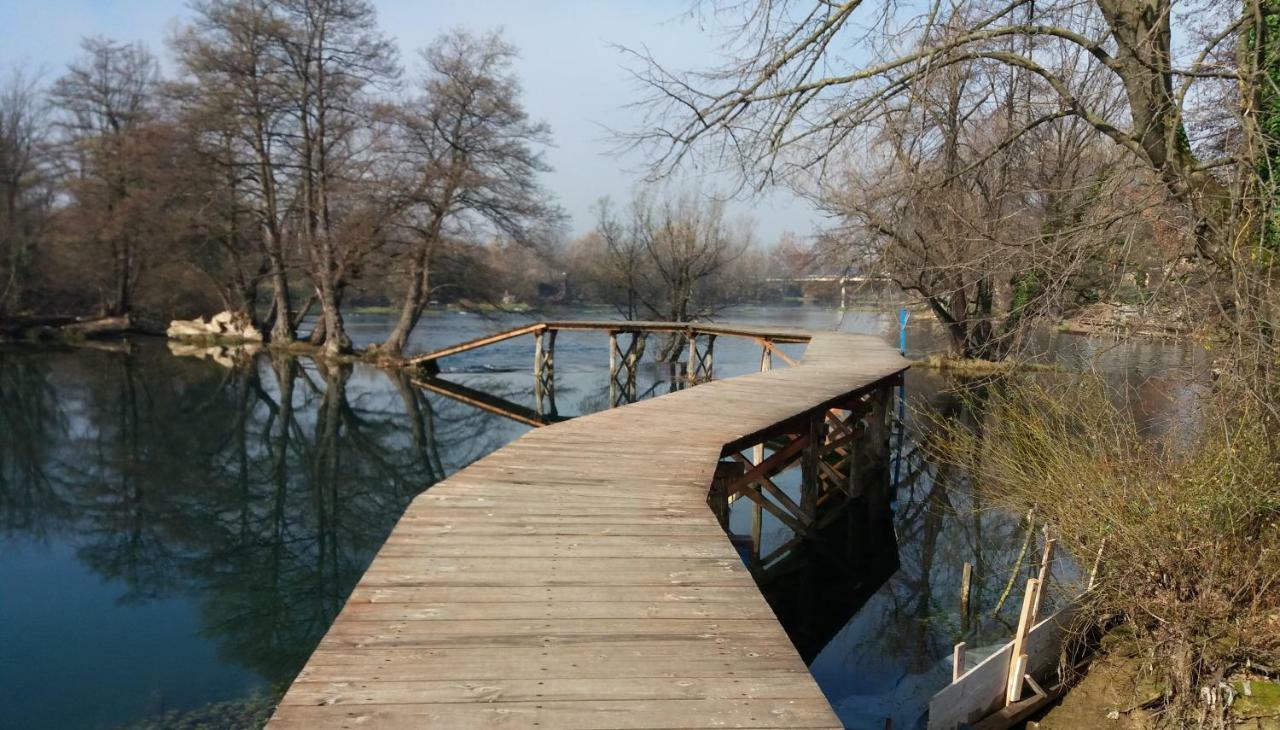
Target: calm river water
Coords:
[(176, 535)]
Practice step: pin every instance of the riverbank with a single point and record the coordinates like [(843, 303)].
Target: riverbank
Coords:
[(974, 366), (1117, 690)]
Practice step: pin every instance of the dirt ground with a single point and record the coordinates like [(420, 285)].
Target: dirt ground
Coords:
[(1109, 696)]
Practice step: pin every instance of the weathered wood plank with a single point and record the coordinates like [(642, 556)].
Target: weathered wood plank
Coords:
[(577, 577)]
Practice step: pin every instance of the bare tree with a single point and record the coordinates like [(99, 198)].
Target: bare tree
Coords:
[(813, 83), (990, 233), (106, 100), (236, 80), (669, 259), (472, 157), (26, 190), (335, 54)]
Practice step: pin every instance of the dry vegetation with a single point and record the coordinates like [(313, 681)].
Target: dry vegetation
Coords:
[(1188, 524)]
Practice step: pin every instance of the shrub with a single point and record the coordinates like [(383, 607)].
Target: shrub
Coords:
[(1188, 524)]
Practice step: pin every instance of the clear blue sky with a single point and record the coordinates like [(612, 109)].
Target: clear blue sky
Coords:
[(573, 77)]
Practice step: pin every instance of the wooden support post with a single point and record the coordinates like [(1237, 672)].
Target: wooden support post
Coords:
[(1046, 566), (613, 355), (706, 365), (809, 472), (718, 496), (622, 368), (783, 516), (633, 362), (544, 372), (537, 354), (537, 372), (1097, 563), (549, 360), (1018, 657), (957, 660), (691, 367), (766, 363), (966, 585), (757, 522), (873, 465)]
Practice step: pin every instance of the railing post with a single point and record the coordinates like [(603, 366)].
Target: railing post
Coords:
[(537, 355), (549, 359), (544, 373), (631, 362), (705, 362), (613, 368), (766, 364), (691, 367)]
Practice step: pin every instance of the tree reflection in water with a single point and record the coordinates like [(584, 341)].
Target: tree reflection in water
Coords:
[(246, 500), (258, 493)]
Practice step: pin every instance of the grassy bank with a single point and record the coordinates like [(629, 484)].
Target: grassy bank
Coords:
[(1188, 525)]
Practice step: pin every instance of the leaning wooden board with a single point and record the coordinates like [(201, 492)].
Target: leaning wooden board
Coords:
[(577, 578), (981, 691)]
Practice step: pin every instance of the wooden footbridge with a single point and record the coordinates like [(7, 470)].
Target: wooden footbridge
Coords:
[(580, 578)]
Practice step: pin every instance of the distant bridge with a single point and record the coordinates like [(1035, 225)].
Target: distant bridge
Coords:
[(811, 286)]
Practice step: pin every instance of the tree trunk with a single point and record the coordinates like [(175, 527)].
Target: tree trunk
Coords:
[(411, 308), (282, 328), (336, 341)]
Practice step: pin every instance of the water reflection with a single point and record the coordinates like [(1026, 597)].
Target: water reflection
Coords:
[(236, 504), (177, 531)]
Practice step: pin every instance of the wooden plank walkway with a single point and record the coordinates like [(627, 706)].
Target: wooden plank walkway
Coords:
[(577, 579)]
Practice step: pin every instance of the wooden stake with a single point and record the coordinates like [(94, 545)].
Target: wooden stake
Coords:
[(957, 661), (1017, 676), (1046, 565), (1018, 658), (966, 585), (1097, 562), (1046, 560)]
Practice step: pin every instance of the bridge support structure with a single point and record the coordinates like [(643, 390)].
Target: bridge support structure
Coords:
[(843, 455), (623, 363), (700, 365)]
